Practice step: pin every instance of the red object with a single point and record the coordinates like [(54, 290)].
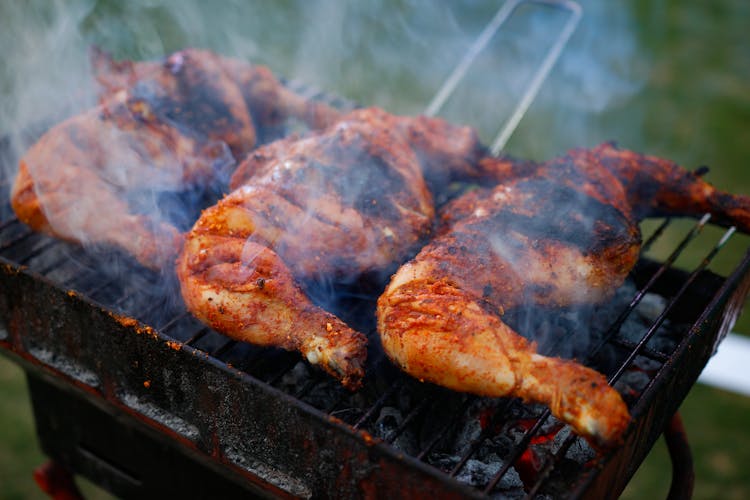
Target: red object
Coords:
[(683, 475), (56, 481)]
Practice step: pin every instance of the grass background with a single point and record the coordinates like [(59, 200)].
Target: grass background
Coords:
[(666, 77)]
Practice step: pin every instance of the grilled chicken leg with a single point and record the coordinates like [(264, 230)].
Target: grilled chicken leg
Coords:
[(161, 127), (328, 207), (557, 234)]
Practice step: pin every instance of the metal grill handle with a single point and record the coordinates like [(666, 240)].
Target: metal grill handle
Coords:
[(502, 15)]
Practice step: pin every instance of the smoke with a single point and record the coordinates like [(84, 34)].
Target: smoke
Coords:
[(393, 54), (601, 70), (45, 73)]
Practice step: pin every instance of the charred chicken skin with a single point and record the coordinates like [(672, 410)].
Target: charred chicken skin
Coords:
[(161, 127), (556, 234), (337, 204)]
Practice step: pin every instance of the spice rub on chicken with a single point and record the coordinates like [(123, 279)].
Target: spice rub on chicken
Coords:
[(337, 204), (555, 234), (167, 126)]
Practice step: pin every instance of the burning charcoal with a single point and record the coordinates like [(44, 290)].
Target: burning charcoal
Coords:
[(387, 428), (467, 434), (632, 383), (479, 473), (443, 461), (604, 314), (651, 306), (580, 451), (443, 416), (633, 329), (321, 394), (644, 364), (667, 338), (295, 377), (388, 421), (470, 429), (501, 444)]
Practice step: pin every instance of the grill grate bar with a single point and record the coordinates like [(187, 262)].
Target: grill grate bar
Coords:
[(290, 363), (332, 407), (495, 419), (252, 359), (79, 280), (197, 336), (120, 301), (375, 365), (222, 349), (172, 322), (646, 351), (15, 241), (532, 89), (36, 252), (379, 403), (518, 450), (554, 459), (156, 305), (414, 413), (98, 287), (615, 328), (655, 235), (550, 464), (54, 265), (306, 388), (446, 428), (663, 315), (9, 222)]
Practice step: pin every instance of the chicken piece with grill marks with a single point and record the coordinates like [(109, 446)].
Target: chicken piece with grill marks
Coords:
[(562, 233), (328, 207), (162, 128)]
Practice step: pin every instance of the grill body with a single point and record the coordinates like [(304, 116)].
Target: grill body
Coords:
[(87, 364), (202, 406)]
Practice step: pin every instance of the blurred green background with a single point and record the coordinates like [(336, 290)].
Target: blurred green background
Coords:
[(664, 77)]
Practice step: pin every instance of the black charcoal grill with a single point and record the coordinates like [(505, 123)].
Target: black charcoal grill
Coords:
[(131, 391)]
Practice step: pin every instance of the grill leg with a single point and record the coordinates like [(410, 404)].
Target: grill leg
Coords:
[(55, 480), (683, 476)]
